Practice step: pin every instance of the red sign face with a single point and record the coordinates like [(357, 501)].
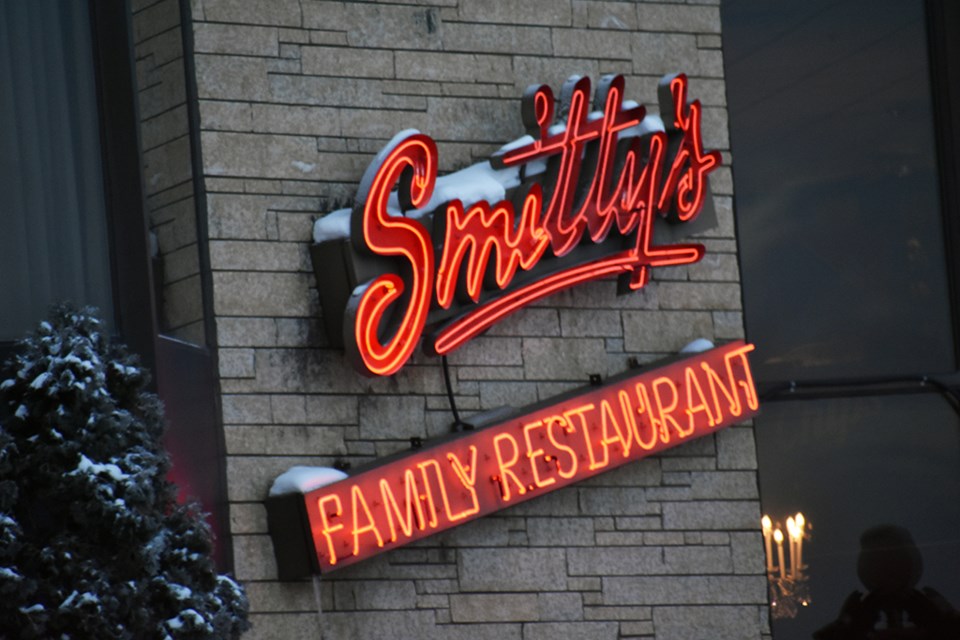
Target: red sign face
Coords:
[(451, 273), (547, 447)]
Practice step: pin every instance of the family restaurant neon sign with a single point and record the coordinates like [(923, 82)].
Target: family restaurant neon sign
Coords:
[(545, 448), (457, 270)]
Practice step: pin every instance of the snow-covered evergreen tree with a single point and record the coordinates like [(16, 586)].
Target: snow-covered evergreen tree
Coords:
[(92, 541)]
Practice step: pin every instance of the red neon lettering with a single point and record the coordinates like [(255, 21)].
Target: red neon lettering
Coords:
[(428, 495), (387, 235), (700, 404), (412, 502), (468, 478), (327, 529), (357, 499), (483, 232), (644, 406), (577, 416), (557, 421), (740, 356), (691, 164), (620, 436), (645, 412), (504, 473), (536, 455), (438, 474), (664, 419), (484, 247), (730, 393)]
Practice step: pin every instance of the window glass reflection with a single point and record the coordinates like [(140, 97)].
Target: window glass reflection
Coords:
[(850, 465), (837, 196)]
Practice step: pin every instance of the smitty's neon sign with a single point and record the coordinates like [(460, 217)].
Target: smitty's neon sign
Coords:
[(542, 449), (452, 272)]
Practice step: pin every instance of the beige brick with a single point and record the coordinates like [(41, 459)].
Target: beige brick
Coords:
[(236, 363), (351, 63), (677, 17), (714, 127), (560, 531), (616, 501), (375, 595), (532, 12), (495, 394), (579, 630), (615, 561), (391, 417), (700, 295), (243, 332), (484, 119), (261, 293), (378, 25), (748, 553), (728, 514), (706, 623), (679, 590), (420, 65), (289, 597), (330, 91), (248, 518), (661, 53), (511, 569), (294, 120), (720, 267), (528, 321), (235, 39), (697, 560), (496, 607), (605, 15), (501, 39), (736, 449), (551, 71), (488, 351), (276, 12), (580, 43), (253, 558), (231, 78), (249, 478), (590, 322), (664, 332), (258, 256), (563, 359)]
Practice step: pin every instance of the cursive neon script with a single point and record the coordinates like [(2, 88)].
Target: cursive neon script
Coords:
[(600, 177)]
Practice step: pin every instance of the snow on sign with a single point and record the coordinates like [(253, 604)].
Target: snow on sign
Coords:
[(335, 523), (444, 258)]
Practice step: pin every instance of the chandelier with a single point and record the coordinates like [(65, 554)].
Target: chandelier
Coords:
[(786, 577)]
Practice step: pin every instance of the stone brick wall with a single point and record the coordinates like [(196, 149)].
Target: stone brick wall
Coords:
[(168, 175), (296, 97)]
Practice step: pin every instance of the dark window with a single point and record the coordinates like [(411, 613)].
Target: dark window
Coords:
[(837, 188), (53, 231), (844, 213)]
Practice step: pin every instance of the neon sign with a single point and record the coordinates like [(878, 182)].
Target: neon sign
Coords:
[(544, 448), (447, 271)]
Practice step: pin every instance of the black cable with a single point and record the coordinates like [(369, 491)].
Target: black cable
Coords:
[(458, 425)]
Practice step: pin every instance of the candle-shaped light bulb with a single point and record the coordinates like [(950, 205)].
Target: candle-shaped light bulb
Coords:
[(767, 526), (792, 534), (778, 538), (801, 532)]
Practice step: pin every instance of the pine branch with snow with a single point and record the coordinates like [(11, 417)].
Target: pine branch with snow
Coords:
[(92, 541)]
